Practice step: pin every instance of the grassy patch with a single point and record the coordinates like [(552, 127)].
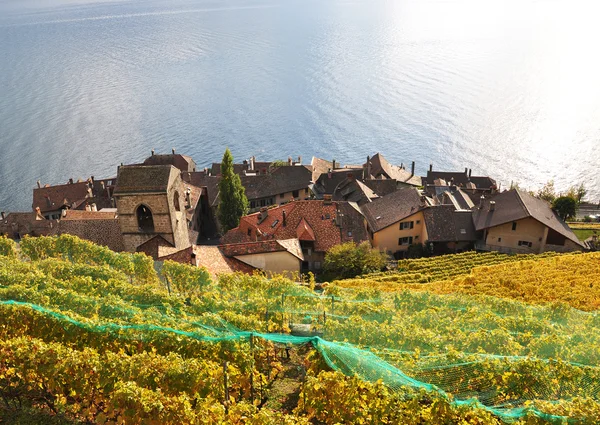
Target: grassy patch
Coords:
[(583, 234)]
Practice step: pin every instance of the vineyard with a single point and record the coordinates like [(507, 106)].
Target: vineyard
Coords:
[(91, 336)]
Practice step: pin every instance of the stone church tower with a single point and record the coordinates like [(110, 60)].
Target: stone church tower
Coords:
[(151, 206)]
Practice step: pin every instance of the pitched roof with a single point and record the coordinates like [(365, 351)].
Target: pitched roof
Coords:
[(331, 223), (281, 180), (260, 167), (452, 195), (260, 247), (319, 166), (19, 224), (392, 208), (514, 205), (211, 257), (182, 162), (201, 179), (328, 182), (444, 224), (381, 187), (353, 190), (304, 231), (52, 198), (380, 167), (460, 179), (144, 178)]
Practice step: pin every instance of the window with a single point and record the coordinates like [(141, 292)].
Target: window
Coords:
[(418, 221), (144, 219), (274, 223), (176, 201), (349, 233), (407, 225), (499, 239), (252, 204), (405, 241), (327, 216), (463, 231), (525, 243), (317, 265), (295, 193), (416, 237), (282, 195), (514, 225), (249, 232), (306, 191)]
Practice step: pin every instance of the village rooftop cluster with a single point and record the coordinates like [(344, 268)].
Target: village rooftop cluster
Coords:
[(167, 209)]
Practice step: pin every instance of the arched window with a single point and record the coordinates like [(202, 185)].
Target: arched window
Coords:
[(176, 201), (144, 219)]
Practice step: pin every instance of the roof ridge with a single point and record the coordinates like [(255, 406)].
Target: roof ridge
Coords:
[(523, 203)]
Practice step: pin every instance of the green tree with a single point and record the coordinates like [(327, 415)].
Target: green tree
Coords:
[(565, 206), (577, 192), (233, 203), (348, 260), (547, 192)]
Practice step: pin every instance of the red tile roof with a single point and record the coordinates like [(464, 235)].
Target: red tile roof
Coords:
[(88, 215), (52, 198), (318, 216), (212, 258), (304, 231)]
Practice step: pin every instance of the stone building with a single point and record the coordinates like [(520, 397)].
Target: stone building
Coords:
[(151, 204)]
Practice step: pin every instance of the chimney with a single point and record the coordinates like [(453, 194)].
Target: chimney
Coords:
[(3, 215), (299, 160), (469, 173), (88, 208), (92, 179), (430, 168), (402, 165), (188, 198), (252, 163), (412, 169), (492, 205), (71, 181), (329, 174), (152, 152), (327, 199), (263, 214), (466, 171), (284, 222), (94, 207), (245, 163), (173, 151), (290, 161), (64, 212), (333, 164), (90, 193)]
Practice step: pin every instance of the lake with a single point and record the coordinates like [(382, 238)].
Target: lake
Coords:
[(508, 88)]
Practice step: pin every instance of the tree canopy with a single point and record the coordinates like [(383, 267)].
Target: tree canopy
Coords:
[(233, 202), (349, 260), (565, 206)]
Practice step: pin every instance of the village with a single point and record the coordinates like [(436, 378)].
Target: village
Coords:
[(167, 208)]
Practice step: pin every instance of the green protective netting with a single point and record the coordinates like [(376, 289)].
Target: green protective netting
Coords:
[(400, 370)]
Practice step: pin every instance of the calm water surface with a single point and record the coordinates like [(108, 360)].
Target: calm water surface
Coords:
[(508, 88)]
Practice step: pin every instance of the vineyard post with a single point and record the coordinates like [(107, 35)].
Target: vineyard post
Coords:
[(267, 320), (282, 310), (226, 385), (252, 368), (332, 304), (168, 285)]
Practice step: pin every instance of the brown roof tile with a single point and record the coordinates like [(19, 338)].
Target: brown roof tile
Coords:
[(52, 198), (392, 208), (143, 178)]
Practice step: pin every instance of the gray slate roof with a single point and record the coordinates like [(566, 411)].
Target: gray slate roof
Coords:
[(444, 224), (392, 208), (143, 178)]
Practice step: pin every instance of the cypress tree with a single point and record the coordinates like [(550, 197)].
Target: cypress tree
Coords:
[(233, 202)]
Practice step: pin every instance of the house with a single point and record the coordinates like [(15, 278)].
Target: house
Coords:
[(18, 224), (353, 190), (517, 222), (278, 256), (282, 184), (205, 220), (214, 260), (379, 168), (473, 185), (448, 229), (53, 200), (317, 224), (396, 221), (182, 162), (151, 202)]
